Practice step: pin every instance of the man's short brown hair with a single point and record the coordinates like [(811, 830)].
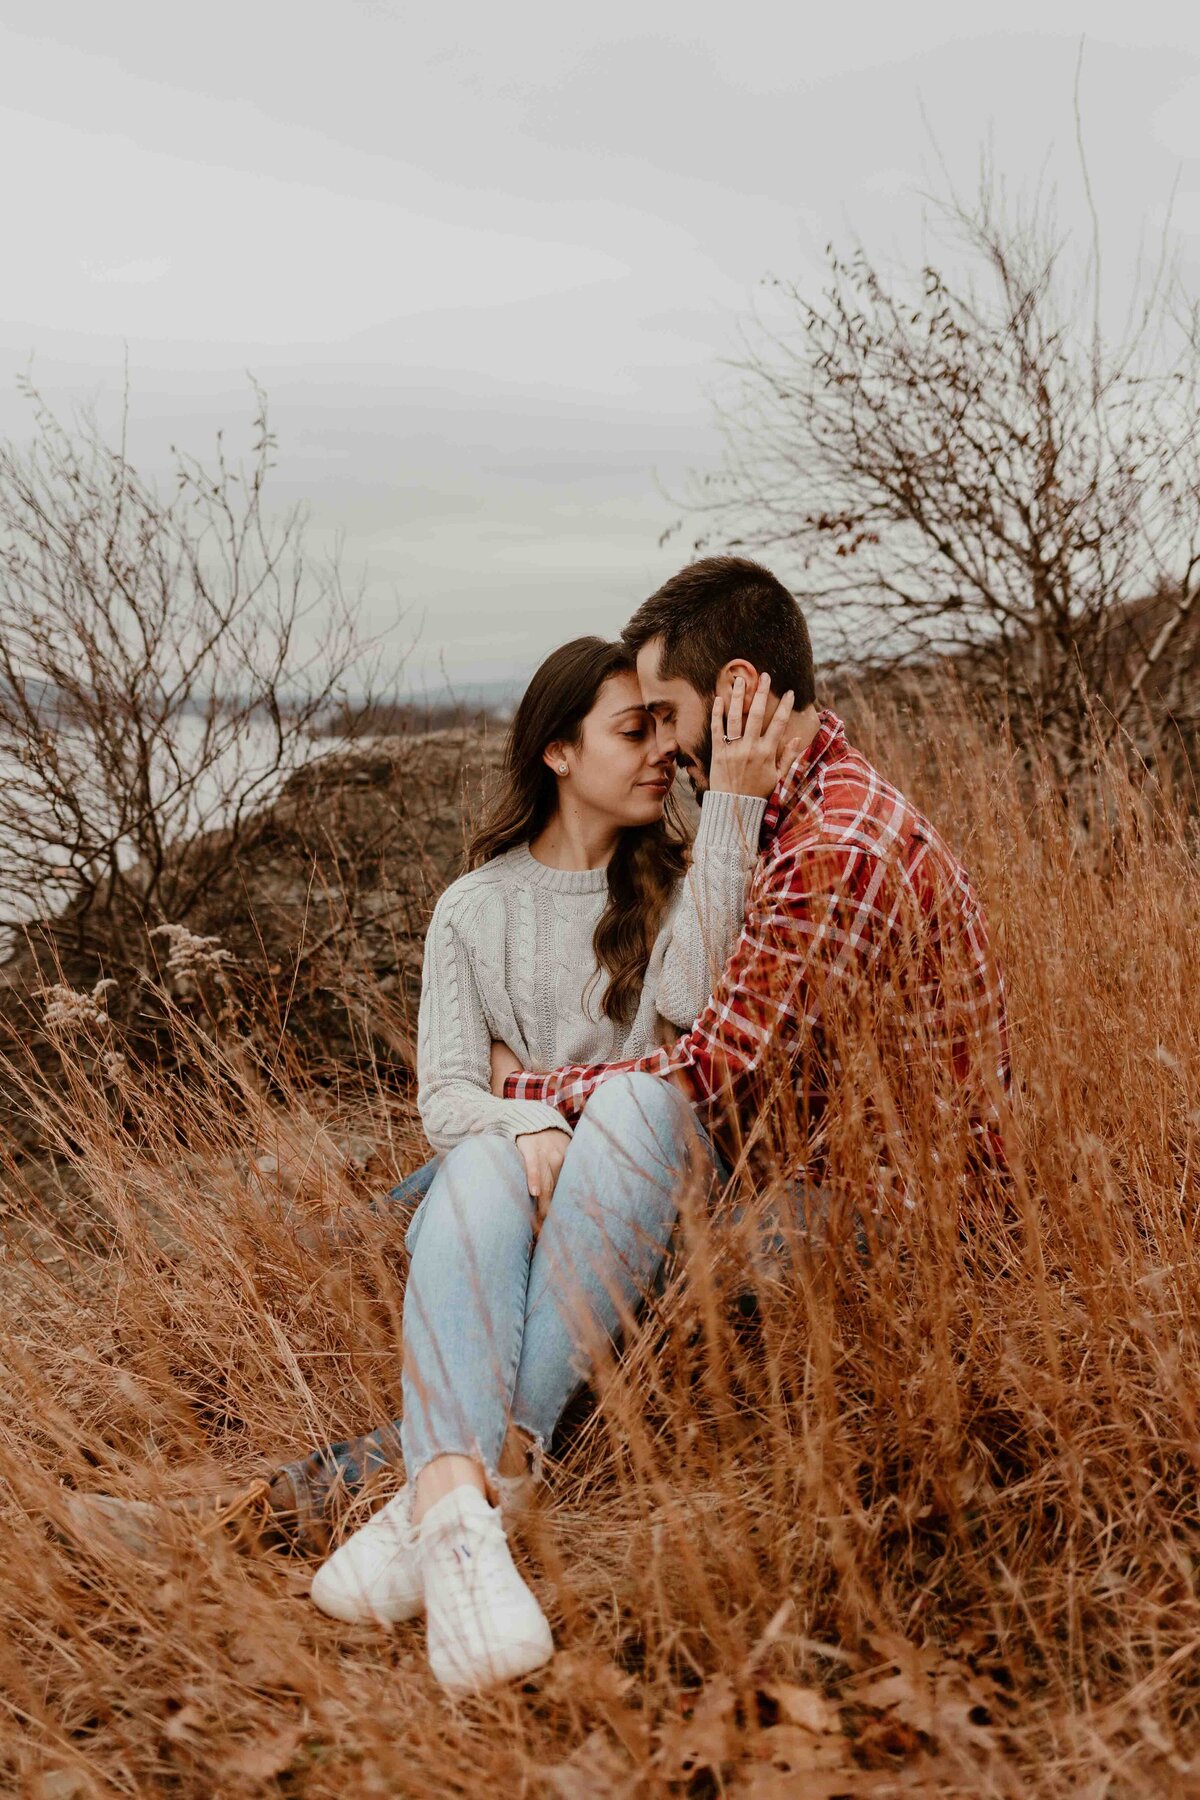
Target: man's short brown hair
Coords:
[(721, 608)]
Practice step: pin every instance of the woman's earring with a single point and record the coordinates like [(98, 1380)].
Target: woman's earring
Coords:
[(562, 768)]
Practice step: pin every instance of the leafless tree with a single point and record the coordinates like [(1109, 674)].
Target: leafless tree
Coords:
[(966, 468), (162, 660)]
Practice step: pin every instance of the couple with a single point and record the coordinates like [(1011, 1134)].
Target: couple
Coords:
[(599, 1010)]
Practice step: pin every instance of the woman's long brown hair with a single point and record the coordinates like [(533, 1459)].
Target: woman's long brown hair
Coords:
[(648, 860)]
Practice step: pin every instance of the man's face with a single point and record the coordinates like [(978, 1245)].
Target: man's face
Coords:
[(682, 717)]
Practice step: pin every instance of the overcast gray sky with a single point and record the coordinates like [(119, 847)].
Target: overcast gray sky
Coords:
[(486, 260)]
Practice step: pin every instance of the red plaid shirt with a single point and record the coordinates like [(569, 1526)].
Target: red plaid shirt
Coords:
[(847, 868)]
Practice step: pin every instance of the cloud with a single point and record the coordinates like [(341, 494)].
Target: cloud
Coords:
[(132, 274), (487, 276), (890, 181)]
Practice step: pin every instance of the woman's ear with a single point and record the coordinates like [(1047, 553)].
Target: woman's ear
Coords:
[(555, 758)]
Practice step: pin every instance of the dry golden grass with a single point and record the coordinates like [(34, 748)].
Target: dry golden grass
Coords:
[(925, 1526)]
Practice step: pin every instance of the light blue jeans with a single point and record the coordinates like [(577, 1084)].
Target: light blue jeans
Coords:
[(503, 1322)]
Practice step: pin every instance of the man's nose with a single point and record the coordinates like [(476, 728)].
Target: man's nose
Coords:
[(665, 741)]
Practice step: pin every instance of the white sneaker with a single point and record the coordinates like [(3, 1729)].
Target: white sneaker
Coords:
[(375, 1576), (483, 1624)]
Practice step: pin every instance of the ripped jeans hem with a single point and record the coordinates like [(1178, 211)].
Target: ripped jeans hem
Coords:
[(496, 1484)]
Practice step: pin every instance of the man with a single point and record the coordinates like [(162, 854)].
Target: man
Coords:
[(854, 891), (862, 933)]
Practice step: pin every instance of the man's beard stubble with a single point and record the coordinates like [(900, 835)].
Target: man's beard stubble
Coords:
[(699, 762)]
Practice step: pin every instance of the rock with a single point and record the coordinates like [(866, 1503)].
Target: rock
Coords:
[(61, 1784), (106, 1522), (356, 1149)]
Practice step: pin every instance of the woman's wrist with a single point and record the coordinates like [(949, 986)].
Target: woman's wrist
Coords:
[(729, 823)]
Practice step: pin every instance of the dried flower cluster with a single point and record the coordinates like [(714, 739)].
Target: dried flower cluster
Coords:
[(191, 957), (69, 1010)]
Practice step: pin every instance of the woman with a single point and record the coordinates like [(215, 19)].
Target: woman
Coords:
[(578, 934)]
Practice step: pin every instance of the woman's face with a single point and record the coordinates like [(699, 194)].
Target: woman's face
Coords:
[(617, 768)]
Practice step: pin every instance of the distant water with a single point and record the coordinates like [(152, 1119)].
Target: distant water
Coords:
[(16, 906), (499, 695)]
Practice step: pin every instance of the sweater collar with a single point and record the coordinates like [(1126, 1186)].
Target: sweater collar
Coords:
[(557, 881)]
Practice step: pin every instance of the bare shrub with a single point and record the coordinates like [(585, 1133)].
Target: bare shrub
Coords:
[(163, 659), (961, 464), (924, 1524)]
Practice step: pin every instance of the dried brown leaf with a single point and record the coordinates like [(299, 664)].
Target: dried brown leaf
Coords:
[(887, 1739), (927, 1690), (265, 1662), (262, 1759), (803, 1706), (791, 1761), (589, 1675), (703, 1740), (597, 1770)]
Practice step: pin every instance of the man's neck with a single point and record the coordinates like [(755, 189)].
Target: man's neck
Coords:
[(801, 733)]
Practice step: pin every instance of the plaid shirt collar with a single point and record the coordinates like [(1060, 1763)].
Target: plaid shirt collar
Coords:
[(829, 743)]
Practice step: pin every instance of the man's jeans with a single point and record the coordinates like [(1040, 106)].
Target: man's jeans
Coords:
[(503, 1322)]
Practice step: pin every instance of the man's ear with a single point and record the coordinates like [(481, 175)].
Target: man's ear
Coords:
[(729, 674)]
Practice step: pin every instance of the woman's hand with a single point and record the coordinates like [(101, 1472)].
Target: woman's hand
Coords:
[(504, 1064), (542, 1153), (745, 757)]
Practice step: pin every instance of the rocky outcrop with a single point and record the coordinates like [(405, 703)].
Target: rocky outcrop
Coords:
[(314, 930)]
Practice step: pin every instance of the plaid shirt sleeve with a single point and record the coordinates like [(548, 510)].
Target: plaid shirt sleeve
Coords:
[(809, 917)]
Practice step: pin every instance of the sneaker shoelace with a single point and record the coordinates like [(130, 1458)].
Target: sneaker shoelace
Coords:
[(479, 1555), (398, 1511)]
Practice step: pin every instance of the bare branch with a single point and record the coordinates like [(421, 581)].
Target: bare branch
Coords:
[(162, 663), (957, 464)]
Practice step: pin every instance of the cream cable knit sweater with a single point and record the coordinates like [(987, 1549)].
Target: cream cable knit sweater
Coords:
[(509, 956)]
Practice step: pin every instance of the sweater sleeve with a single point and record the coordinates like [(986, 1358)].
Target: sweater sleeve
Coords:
[(454, 1050), (705, 917)]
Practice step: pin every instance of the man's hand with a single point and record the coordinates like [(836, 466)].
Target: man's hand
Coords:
[(749, 762), (504, 1063), (542, 1153)]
